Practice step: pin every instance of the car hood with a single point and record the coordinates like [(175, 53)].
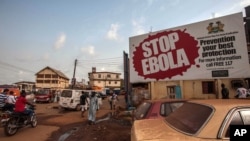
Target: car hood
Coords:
[(157, 129)]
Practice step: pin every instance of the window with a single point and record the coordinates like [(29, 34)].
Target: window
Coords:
[(142, 110), (184, 120), (40, 76), (47, 75), (99, 76), (39, 81), (66, 93), (108, 76), (117, 76), (236, 83), (236, 120), (208, 87), (169, 107), (240, 117)]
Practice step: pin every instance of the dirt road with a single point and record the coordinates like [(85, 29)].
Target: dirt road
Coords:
[(57, 124)]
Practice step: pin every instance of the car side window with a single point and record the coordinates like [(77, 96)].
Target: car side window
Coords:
[(142, 110), (236, 120), (165, 109), (245, 116)]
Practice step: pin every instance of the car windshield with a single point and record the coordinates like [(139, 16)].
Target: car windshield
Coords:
[(66, 93), (42, 92), (142, 110), (190, 117)]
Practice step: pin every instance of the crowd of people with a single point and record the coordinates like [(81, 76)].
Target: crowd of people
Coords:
[(8, 102)]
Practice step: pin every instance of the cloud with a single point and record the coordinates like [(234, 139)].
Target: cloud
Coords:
[(60, 41), (113, 32), (150, 2), (89, 50), (138, 28), (20, 72), (244, 3)]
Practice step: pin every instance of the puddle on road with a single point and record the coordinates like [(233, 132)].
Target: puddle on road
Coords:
[(103, 119), (67, 134), (109, 117)]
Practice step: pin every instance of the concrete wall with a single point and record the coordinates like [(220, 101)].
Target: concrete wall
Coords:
[(191, 89)]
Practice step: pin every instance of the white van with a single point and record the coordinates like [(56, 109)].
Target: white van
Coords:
[(70, 99)]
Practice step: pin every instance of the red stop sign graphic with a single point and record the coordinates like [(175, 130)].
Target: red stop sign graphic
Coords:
[(165, 54)]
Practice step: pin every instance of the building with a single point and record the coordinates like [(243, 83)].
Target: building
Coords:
[(26, 85), (51, 78), (100, 80)]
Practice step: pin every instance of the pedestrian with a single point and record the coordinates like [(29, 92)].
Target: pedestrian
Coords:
[(3, 98), (224, 92), (126, 99), (92, 108), (113, 98), (83, 103), (10, 102), (241, 92)]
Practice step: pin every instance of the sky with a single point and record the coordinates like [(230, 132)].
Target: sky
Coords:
[(35, 34)]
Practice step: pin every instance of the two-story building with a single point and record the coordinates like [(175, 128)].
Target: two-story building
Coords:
[(51, 78), (101, 80)]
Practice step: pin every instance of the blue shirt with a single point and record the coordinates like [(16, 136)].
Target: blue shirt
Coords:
[(3, 97)]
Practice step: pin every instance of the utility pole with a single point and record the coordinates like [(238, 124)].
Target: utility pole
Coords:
[(74, 79)]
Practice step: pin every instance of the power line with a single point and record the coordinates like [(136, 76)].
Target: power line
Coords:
[(104, 59), (15, 67)]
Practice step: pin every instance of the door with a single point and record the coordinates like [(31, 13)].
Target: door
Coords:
[(178, 92)]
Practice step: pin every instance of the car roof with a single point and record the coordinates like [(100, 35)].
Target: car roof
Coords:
[(146, 130), (221, 108)]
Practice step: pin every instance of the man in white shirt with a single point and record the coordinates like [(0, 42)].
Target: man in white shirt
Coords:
[(10, 101), (241, 92)]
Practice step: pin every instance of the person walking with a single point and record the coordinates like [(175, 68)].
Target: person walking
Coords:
[(3, 98), (92, 108), (83, 103), (224, 92), (113, 100)]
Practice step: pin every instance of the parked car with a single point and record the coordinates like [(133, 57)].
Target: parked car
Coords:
[(195, 120), (44, 95), (157, 108)]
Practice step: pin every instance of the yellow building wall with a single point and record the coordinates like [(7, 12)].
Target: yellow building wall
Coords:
[(191, 89)]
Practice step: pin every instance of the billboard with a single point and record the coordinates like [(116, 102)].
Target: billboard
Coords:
[(209, 49)]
